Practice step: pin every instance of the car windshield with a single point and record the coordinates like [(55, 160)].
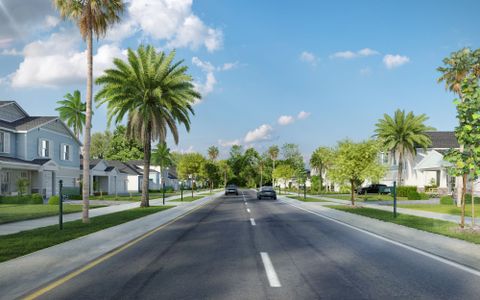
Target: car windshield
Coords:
[(267, 188), (231, 186)]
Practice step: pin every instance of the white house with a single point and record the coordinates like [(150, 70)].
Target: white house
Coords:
[(113, 177), (169, 175)]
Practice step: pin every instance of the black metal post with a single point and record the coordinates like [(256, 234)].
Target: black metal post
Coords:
[(60, 205), (305, 191), (394, 199), (163, 191), (181, 191)]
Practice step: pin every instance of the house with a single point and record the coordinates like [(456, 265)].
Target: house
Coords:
[(168, 174), (41, 149)]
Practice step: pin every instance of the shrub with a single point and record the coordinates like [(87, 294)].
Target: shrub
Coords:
[(54, 200), (447, 200), (36, 199), (413, 195), (468, 199), (75, 197), (25, 199), (424, 196), (403, 191)]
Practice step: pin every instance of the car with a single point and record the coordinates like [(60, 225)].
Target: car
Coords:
[(231, 189), (374, 189), (266, 192)]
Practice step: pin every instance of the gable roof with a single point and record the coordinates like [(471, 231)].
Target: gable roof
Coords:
[(443, 139), (38, 161), (2, 103), (27, 123)]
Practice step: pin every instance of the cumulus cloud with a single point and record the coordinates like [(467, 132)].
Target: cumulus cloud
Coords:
[(209, 69), (228, 66), (261, 133), (303, 115), (351, 54), (229, 143), (285, 120), (57, 61), (51, 22), (308, 57), (393, 61)]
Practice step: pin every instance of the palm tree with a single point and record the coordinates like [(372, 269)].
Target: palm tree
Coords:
[(163, 158), (154, 93), (92, 17), (72, 112), (273, 152), (403, 134), (321, 159), (213, 152)]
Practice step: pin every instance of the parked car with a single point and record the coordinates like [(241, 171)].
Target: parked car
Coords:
[(374, 189), (231, 189), (266, 192)]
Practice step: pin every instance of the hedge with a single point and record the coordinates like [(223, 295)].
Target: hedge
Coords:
[(25, 199), (447, 200), (403, 191), (413, 195), (54, 200)]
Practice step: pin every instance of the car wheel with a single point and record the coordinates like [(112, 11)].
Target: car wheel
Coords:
[(259, 198), (275, 198)]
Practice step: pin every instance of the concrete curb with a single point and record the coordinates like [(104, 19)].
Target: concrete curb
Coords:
[(458, 251), (27, 273)]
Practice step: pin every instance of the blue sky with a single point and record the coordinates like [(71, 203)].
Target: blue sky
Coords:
[(259, 64)]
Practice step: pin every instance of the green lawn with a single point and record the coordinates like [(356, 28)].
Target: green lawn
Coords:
[(20, 212), (188, 197), (309, 199), (374, 197), (133, 197), (22, 243), (431, 225), (445, 209)]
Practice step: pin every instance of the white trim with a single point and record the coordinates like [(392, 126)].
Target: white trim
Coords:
[(40, 148), (70, 158)]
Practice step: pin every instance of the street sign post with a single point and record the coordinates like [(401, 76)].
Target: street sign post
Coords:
[(394, 199), (60, 205)]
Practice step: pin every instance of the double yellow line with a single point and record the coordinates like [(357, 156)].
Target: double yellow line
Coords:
[(103, 258)]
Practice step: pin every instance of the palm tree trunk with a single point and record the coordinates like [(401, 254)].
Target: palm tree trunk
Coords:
[(400, 168), (352, 192), (320, 179), (147, 145), (88, 119)]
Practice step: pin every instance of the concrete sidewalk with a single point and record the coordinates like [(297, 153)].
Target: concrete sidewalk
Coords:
[(459, 251), (407, 211), (14, 227), (24, 274)]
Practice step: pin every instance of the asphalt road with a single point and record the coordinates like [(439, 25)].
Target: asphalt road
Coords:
[(217, 252)]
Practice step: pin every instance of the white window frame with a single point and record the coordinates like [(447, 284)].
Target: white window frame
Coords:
[(49, 147), (5, 136), (63, 152)]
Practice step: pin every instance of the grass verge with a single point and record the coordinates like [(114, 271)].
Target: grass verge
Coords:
[(190, 198), (21, 212), (374, 197), (309, 199), (430, 225), (445, 209), (25, 242)]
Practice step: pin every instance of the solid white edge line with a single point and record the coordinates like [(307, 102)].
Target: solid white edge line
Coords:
[(270, 270), (248, 209), (252, 221), (413, 249)]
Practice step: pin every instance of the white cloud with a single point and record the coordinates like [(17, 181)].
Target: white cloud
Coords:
[(285, 120), (393, 61), (204, 65), (4, 43), (174, 21), (303, 115), (57, 60), (261, 133), (228, 143), (308, 57), (228, 66), (209, 69), (51, 22), (351, 54), (10, 52)]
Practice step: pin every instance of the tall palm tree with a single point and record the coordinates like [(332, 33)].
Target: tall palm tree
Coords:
[(273, 152), (403, 134), (163, 158), (213, 152), (93, 17), (72, 111), (321, 159), (154, 93)]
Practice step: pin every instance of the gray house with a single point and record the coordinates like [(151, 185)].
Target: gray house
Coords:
[(41, 149)]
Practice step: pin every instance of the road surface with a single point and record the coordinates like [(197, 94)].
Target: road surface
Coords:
[(237, 247)]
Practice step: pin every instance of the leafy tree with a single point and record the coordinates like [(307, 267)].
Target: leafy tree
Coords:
[(211, 172), (273, 152), (162, 157), (225, 171), (190, 166), (402, 134), (250, 171), (72, 112), (356, 162), (100, 144), (321, 160), (22, 186), (93, 17), (213, 152), (292, 156), (284, 172), (154, 92), (123, 147)]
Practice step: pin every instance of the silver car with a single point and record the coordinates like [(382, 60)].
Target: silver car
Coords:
[(266, 192)]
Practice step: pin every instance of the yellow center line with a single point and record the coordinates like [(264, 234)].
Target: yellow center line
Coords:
[(105, 257)]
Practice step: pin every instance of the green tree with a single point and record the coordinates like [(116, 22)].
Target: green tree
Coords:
[(213, 153), (162, 157), (93, 17), (211, 172), (123, 147), (284, 172), (22, 186), (402, 134), (100, 144), (156, 94), (72, 112), (225, 170), (273, 152), (321, 160), (189, 167), (356, 162)]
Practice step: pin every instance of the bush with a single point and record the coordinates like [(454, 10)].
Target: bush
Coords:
[(36, 199), (54, 200), (413, 195), (403, 191), (468, 199), (25, 199), (447, 200), (75, 197), (424, 196)]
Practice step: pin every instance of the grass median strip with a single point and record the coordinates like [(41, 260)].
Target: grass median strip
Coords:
[(190, 198), (445, 209), (309, 199), (430, 225), (25, 242), (21, 212)]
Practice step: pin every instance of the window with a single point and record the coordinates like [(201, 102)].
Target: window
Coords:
[(4, 142), (65, 152), (44, 148)]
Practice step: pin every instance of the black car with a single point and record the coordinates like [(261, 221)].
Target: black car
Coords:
[(231, 189), (374, 189), (266, 192)]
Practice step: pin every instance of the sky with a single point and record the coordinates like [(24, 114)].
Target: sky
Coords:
[(270, 72)]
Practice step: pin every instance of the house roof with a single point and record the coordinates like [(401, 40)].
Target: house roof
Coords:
[(123, 167), (2, 103), (432, 161), (443, 139), (27, 123), (39, 161)]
